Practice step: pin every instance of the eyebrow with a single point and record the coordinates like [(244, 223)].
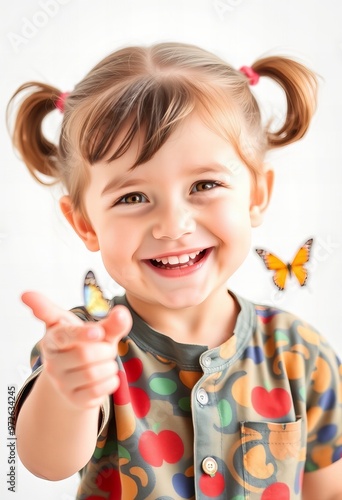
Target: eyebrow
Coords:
[(126, 182), (212, 167), (115, 184)]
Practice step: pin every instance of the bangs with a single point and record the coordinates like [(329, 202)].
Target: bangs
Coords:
[(151, 108)]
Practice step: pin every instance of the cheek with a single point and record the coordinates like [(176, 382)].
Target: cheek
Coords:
[(233, 228), (232, 219), (118, 244)]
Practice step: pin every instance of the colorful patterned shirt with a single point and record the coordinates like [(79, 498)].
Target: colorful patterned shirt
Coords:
[(240, 421)]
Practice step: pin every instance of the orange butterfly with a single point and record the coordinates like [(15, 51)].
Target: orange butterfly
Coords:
[(94, 301), (282, 270)]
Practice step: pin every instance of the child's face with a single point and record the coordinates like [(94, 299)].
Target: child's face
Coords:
[(173, 230)]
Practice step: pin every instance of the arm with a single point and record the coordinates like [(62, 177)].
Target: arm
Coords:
[(54, 438), (324, 484), (58, 423)]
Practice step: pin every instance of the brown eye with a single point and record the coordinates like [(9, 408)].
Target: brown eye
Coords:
[(204, 186), (132, 199)]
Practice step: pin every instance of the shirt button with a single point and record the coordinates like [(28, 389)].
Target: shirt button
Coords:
[(207, 361), (209, 466), (202, 396)]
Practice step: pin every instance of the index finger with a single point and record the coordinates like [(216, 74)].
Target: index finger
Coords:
[(117, 323), (47, 311)]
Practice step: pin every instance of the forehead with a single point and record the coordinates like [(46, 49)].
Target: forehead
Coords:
[(198, 141), (193, 147)]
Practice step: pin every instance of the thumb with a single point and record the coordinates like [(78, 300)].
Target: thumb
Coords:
[(47, 311), (117, 324)]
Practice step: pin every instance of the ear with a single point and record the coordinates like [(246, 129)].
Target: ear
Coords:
[(80, 223), (260, 195)]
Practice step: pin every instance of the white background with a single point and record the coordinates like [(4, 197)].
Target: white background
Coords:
[(58, 42)]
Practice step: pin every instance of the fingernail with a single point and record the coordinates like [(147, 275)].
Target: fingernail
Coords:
[(94, 333)]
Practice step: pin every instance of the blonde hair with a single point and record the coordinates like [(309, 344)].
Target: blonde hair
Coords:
[(151, 90)]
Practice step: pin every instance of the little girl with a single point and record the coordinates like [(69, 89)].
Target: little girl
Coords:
[(185, 390)]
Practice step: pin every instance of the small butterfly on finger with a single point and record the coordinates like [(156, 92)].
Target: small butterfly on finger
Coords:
[(283, 270), (94, 301)]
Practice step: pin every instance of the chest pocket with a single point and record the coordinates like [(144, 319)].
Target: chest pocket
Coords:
[(273, 459)]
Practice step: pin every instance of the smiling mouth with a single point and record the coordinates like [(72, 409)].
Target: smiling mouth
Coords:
[(179, 261)]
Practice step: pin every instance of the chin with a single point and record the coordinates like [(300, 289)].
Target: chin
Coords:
[(183, 300)]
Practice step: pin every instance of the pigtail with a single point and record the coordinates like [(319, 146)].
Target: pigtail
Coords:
[(300, 86), (37, 152)]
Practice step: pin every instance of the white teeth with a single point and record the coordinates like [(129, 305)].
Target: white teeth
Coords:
[(175, 259), (184, 258)]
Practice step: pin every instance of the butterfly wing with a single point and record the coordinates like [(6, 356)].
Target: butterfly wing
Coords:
[(273, 263), (301, 258), (94, 301)]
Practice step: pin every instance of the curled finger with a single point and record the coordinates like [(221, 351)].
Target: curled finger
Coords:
[(65, 336)]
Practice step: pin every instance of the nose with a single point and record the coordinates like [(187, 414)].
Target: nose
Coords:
[(173, 223)]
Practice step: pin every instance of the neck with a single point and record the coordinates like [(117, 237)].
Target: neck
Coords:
[(210, 323)]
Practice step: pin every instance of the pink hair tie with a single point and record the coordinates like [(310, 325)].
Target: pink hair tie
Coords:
[(60, 103), (252, 75)]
